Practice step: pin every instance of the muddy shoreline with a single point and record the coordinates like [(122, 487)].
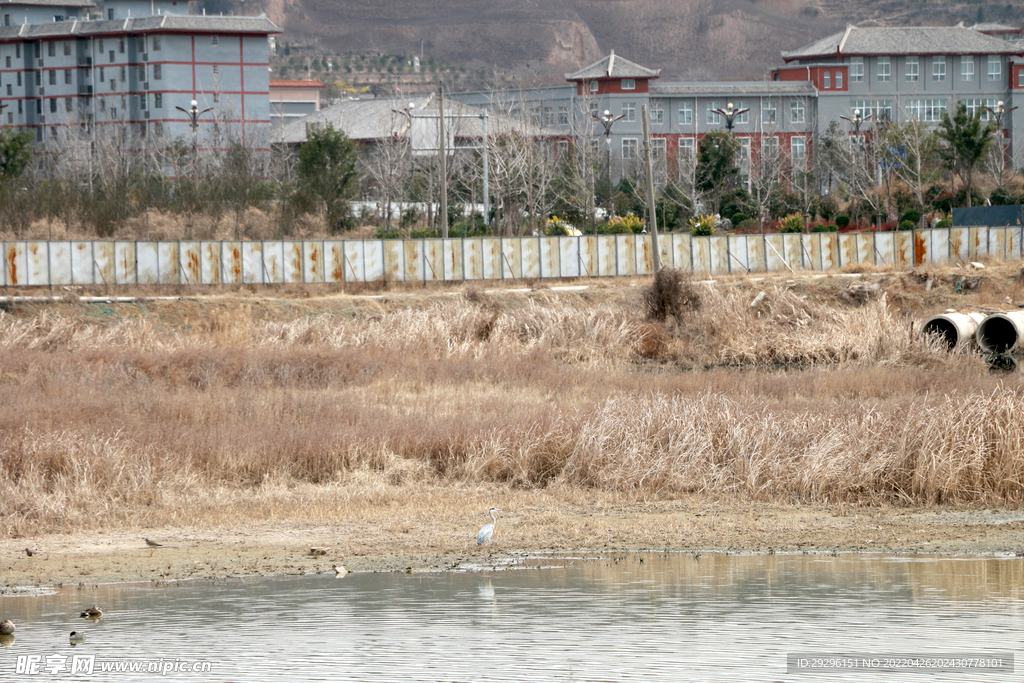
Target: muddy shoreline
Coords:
[(121, 555)]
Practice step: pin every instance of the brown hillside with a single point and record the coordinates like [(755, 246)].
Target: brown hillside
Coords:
[(687, 39)]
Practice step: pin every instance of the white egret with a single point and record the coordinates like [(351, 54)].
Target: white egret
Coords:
[(488, 529)]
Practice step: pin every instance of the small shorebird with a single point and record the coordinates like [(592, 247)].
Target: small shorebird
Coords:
[(93, 611), (339, 571), (154, 544), (319, 552), (29, 552), (6, 627), (76, 638)]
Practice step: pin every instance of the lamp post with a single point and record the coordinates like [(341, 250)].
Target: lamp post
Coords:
[(194, 115), (998, 112), (730, 114), (857, 120), (607, 120)]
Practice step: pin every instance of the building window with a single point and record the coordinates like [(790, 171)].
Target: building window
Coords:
[(142, 72), (99, 46), (10, 93), (7, 20), (967, 68), (629, 111), (974, 106), (1020, 78), (53, 77), (563, 114), (113, 85), (110, 14), (686, 149), (122, 74), (158, 72), (561, 148), (51, 49), (8, 61), (628, 84), (68, 105), (884, 69), (216, 98), (142, 102), (39, 78), (798, 147), (711, 117), (156, 43), (926, 110), (19, 78), (10, 117), (685, 113), (37, 51), (158, 100), (827, 80), (549, 116), (213, 41), (111, 54), (629, 148), (17, 50), (657, 115), (839, 80), (593, 86), (120, 45), (158, 128), (938, 68), (912, 66), (856, 69), (796, 111), (53, 105), (995, 67), (103, 75), (113, 112), (67, 48), (103, 104), (745, 116), (216, 69), (67, 76)]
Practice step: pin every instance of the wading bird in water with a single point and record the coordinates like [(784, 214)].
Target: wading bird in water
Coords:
[(488, 529), (6, 627), (93, 612)]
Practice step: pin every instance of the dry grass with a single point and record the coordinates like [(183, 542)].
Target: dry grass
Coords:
[(176, 413)]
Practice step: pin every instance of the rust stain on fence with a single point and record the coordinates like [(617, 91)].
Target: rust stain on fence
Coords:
[(920, 247), (12, 265)]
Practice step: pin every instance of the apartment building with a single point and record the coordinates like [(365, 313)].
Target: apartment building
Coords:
[(127, 66), (891, 73)]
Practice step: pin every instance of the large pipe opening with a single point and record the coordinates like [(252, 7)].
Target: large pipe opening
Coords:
[(1001, 332), (952, 328)]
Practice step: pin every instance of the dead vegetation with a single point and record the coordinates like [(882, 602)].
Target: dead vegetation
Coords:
[(168, 412)]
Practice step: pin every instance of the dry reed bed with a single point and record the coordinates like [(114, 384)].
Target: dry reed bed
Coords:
[(104, 423)]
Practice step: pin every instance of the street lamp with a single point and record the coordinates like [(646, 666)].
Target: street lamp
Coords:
[(730, 114), (607, 120), (998, 132), (194, 115), (857, 120)]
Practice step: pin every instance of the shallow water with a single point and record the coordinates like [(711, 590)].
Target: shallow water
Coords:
[(612, 617)]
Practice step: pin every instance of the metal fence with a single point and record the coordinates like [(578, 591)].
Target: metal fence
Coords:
[(45, 263)]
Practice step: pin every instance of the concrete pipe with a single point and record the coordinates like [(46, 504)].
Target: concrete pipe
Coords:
[(953, 328), (1001, 332)]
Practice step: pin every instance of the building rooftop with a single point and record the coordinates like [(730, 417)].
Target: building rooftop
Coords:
[(48, 3), (308, 83), (752, 88), (915, 40), (385, 118), (612, 66), (164, 23)]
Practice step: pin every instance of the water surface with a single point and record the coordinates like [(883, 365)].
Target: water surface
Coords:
[(612, 617)]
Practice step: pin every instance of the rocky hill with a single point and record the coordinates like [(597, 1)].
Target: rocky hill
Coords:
[(687, 39)]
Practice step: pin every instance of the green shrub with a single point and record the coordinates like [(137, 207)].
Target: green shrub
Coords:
[(907, 225), (842, 220), (556, 227), (912, 215), (702, 225), (824, 227), (946, 222), (793, 222), (749, 225), (738, 218)]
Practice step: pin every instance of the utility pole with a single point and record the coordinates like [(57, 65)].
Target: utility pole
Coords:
[(485, 154), (444, 166), (652, 214)]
